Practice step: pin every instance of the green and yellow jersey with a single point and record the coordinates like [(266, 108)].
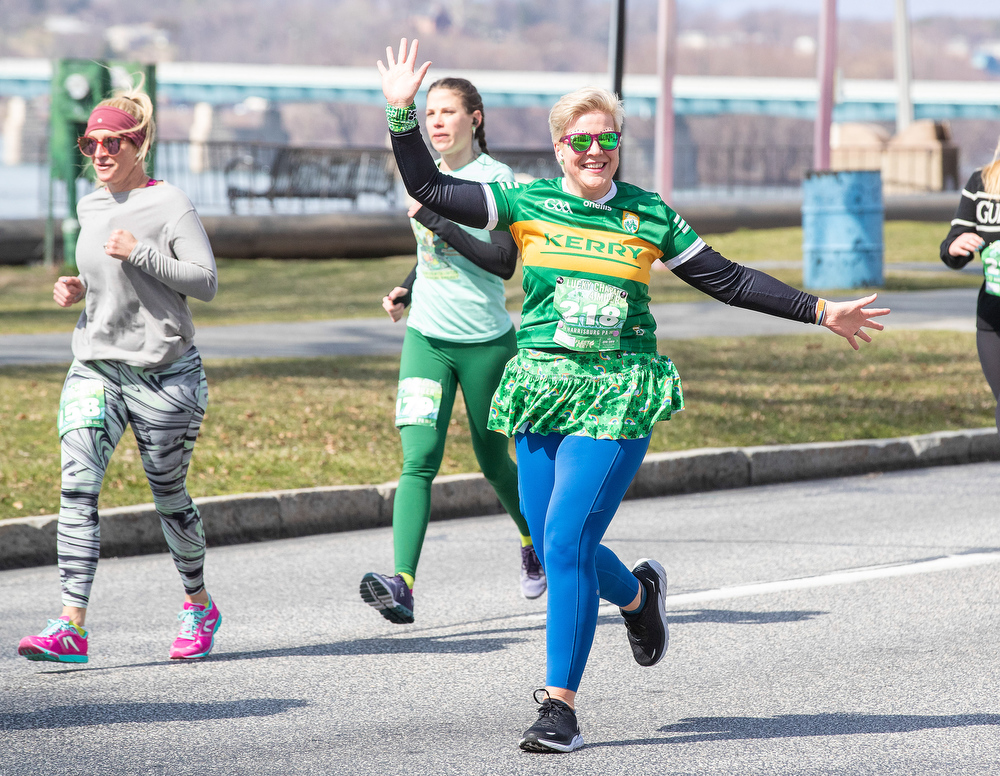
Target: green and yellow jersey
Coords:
[(587, 263)]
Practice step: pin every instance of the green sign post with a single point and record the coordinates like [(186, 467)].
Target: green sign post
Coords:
[(77, 86)]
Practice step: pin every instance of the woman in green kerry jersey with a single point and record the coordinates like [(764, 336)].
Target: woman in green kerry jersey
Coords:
[(587, 384), (458, 333)]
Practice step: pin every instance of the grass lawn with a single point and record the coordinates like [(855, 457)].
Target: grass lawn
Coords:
[(267, 290), (275, 424)]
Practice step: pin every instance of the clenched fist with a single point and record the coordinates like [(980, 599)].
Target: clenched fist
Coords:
[(68, 291), (120, 244)]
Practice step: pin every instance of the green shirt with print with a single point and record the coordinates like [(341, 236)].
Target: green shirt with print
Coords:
[(587, 263), (453, 299)]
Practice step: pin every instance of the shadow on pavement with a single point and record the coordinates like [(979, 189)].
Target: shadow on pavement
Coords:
[(454, 644), (734, 617), (729, 616), (144, 713), (700, 729)]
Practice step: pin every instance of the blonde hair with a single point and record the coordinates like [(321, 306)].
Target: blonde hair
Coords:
[(991, 175), (589, 99), (135, 102)]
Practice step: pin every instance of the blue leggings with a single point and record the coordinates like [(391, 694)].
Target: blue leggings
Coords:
[(570, 488)]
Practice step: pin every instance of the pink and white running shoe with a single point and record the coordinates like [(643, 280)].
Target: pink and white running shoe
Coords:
[(198, 626), (60, 642)]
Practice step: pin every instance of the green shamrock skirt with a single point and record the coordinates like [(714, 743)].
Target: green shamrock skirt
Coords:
[(611, 395)]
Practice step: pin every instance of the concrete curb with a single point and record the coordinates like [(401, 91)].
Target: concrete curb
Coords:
[(254, 517)]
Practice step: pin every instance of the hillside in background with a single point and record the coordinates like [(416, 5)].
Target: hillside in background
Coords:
[(558, 35), (505, 34)]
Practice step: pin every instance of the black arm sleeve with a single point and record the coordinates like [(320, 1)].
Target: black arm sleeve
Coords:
[(498, 256), (454, 198), (408, 285), (964, 221), (739, 286)]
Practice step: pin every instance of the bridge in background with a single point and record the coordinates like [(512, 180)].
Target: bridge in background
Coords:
[(856, 99)]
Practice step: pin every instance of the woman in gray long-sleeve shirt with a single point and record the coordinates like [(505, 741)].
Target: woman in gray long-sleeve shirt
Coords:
[(141, 252)]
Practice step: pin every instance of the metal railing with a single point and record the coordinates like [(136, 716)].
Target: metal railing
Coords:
[(212, 173)]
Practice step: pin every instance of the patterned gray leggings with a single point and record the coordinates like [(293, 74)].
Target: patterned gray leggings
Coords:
[(165, 406)]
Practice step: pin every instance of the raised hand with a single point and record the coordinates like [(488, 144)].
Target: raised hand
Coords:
[(849, 319), (399, 80)]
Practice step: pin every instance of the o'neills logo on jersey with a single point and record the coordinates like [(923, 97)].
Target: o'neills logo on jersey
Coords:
[(630, 222), (598, 205), (557, 205)]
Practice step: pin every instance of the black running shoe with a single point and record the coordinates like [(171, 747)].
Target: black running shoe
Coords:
[(556, 729), (647, 628), (391, 596)]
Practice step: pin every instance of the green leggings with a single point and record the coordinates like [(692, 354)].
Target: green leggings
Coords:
[(477, 367)]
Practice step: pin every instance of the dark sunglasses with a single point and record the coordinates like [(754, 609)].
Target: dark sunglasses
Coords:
[(581, 142), (88, 145)]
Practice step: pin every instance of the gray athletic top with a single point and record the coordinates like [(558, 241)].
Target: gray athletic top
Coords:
[(136, 310)]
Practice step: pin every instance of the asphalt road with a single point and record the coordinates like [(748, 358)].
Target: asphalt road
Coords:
[(844, 626), (947, 309)]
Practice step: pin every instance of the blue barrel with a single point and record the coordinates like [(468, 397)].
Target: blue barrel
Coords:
[(842, 216)]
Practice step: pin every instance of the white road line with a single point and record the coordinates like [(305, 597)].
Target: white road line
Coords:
[(682, 600), (934, 565)]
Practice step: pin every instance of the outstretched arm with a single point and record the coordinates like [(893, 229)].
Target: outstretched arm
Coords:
[(455, 199), (739, 286)]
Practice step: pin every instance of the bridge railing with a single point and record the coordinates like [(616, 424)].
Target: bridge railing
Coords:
[(211, 173)]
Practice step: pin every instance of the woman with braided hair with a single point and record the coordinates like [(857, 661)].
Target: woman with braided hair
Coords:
[(458, 333)]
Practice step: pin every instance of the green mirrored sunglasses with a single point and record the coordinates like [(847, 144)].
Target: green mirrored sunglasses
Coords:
[(581, 142)]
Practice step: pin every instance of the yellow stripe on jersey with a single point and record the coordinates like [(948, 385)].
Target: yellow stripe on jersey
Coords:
[(556, 246)]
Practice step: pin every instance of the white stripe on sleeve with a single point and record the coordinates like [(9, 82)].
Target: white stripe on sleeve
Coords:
[(491, 208), (696, 247)]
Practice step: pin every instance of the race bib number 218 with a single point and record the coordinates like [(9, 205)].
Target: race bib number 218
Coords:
[(592, 314)]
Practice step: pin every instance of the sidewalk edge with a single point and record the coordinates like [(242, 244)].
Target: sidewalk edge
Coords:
[(254, 517)]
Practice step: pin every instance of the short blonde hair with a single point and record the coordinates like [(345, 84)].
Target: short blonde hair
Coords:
[(135, 102), (589, 99), (991, 175)]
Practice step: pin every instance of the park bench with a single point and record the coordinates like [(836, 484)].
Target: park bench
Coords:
[(311, 173)]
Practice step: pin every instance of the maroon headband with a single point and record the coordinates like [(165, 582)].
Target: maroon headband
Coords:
[(116, 120)]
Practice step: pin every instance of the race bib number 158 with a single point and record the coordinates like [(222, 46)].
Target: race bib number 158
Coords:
[(81, 406)]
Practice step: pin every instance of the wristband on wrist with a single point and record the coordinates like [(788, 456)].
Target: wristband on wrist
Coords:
[(820, 311), (401, 119)]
